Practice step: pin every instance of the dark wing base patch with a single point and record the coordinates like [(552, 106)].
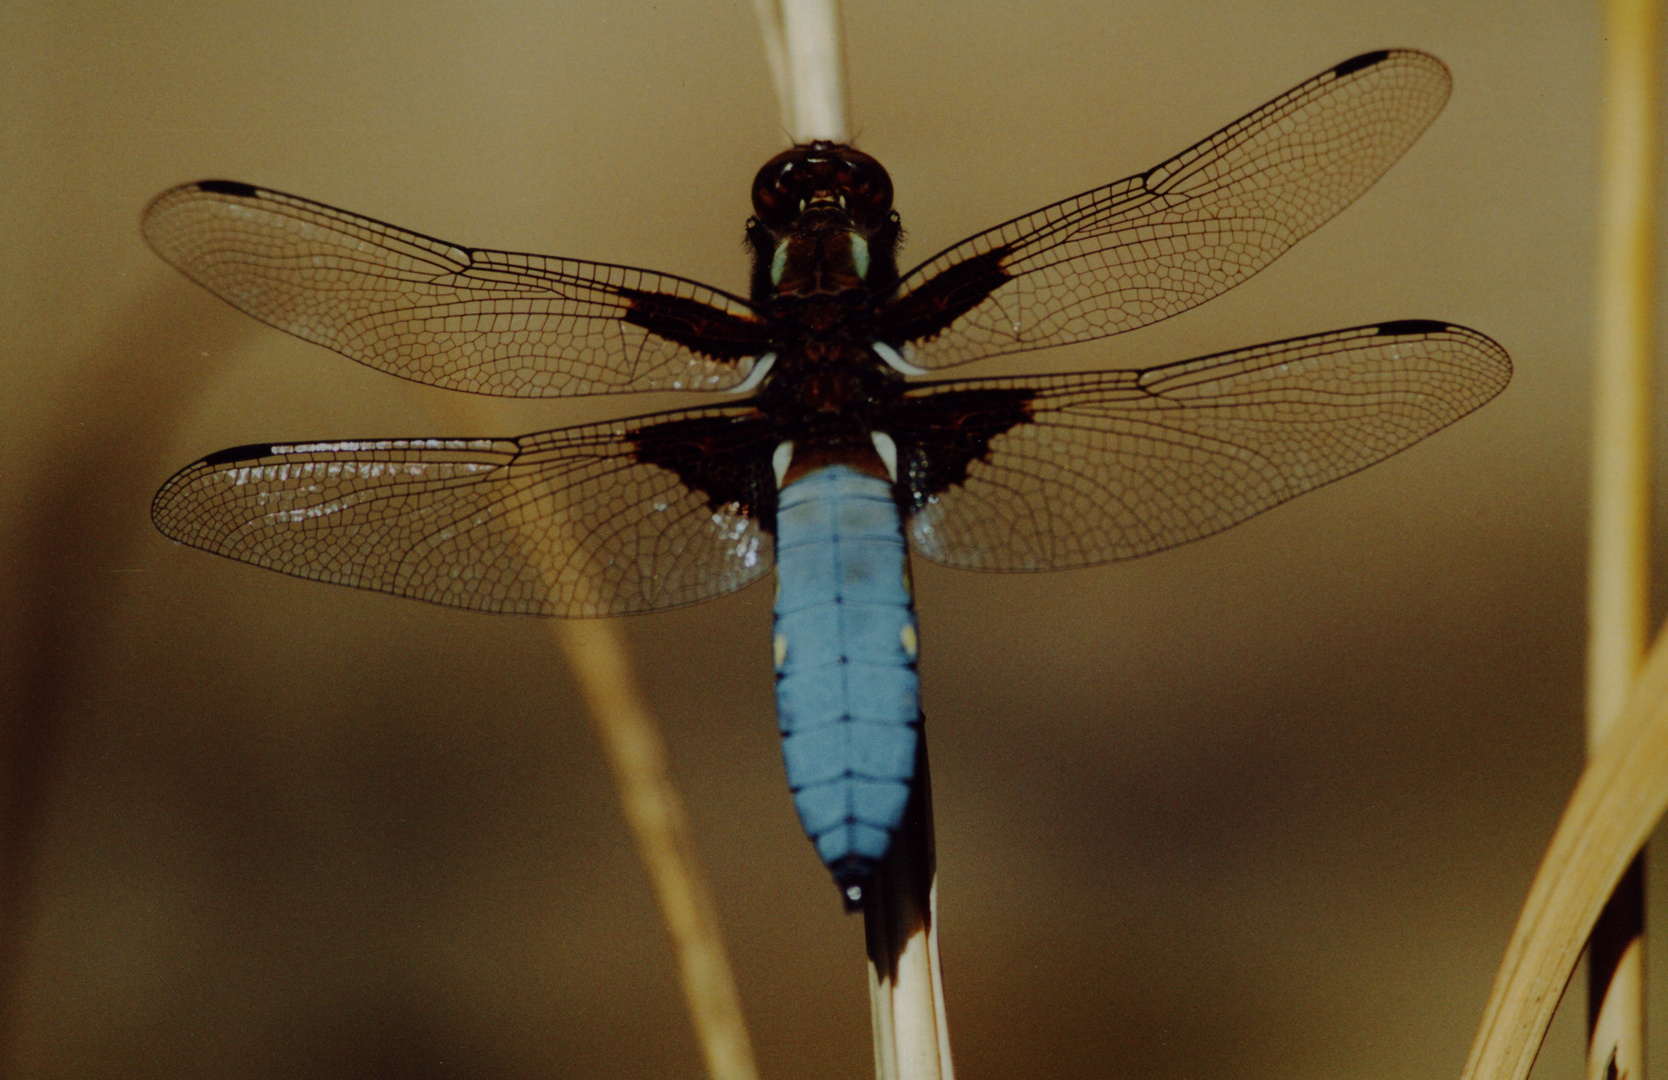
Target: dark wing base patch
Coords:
[(724, 458), (696, 326), (940, 435), (924, 313)]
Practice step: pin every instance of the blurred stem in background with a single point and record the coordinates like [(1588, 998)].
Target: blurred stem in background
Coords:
[(157, 351), (654, 811), (1619, 580), (596, 652)]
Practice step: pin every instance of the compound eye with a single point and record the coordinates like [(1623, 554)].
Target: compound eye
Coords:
[(868, 189), (773, 195)]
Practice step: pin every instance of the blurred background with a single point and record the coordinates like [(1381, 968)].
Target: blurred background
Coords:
[(1264, 806)]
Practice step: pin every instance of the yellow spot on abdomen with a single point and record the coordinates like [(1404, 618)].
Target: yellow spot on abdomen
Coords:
[(781, 647), (907, 638)]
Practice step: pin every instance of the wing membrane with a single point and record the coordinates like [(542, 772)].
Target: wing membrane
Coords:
[(1093, 468), (488, 322), (571, 522), (1150, 246)]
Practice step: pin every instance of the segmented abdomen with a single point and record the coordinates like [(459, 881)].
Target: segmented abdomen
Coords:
[(847, 694)]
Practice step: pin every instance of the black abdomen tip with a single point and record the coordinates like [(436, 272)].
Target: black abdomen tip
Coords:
[(852, 875)]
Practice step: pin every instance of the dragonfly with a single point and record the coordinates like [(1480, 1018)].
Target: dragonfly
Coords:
[(825, 446)]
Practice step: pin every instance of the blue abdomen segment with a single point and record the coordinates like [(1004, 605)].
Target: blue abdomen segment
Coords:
[(847, 694)]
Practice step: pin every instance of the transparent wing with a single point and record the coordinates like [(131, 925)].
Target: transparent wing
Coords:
[(488, 322), (576, 522), (1148, 247), (1076, 470)]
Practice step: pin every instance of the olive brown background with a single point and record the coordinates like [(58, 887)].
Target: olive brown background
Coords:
[(1264, 806)]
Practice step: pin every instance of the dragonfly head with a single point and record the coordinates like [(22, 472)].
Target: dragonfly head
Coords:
[(825, 178)]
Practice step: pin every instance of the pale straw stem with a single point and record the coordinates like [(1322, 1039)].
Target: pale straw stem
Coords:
[(803, 46), (900, 921), (776, 58), (1619, 572), (1619, 586)]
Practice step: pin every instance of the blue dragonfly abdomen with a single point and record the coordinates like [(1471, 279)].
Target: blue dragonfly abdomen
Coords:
[(847, 694)]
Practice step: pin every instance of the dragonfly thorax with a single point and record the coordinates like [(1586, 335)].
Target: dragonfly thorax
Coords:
[(820, 262), (829, 384)]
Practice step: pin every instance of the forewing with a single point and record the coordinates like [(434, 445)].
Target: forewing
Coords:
[(1076, 470), (1148, 247), (488, 322), (577, 522)]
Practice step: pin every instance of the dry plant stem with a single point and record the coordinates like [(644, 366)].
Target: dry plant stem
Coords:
[(803, 47), (1617, 802), (776, 57), (655, 814), (1619, 573), (1619, 584), (900, 921), (816, 65)]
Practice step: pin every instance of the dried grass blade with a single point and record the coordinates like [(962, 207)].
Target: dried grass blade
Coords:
[(1616, 804), (655, 813)]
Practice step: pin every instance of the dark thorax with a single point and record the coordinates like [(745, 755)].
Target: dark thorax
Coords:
[(824, 242)]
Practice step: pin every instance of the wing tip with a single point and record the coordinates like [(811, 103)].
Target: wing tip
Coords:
[(164, 515), (1489, 361), (1479, 341), (151, 224), (174, 520)]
